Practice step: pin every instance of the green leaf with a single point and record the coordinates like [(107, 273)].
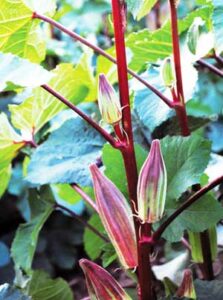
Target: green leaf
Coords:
[(21, 72), (209, 88), (109, 255), (25, 241), (10, 142), (207, 290), (42, 6), (5, 175), (92, 243), (8, 292), (186, 159), (114, 165), (140, 8), (84, 79), (75, 84), (133, 6), (146, 46), (66, 155), (42, 287), (20, 34), (156, 113), (217, 20), (204, 2), (145, 8), (207, 210), (171, 126), (66, 193)]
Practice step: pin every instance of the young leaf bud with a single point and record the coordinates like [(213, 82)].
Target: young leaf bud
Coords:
[(116, 217), (152, 186), (186, 288), (108, 101), (193, 34), (167, 73), (100, 284)]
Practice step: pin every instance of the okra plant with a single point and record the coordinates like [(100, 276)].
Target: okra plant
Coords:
[(119, 139)]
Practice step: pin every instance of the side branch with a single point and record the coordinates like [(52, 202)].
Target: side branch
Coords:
[(85, 197), (79, 38), (86, 224), (196, 196), (210, 67), (89, 120)]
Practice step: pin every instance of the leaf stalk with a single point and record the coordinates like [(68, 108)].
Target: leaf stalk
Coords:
[(191, 200)]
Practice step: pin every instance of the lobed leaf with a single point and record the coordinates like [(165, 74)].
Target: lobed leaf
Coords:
[(25, 241), (207, 210), (218, 25), (10, 142), (41, 286), (19, 33), (66, 155), (75, 84), (186, 159), (12, 67)]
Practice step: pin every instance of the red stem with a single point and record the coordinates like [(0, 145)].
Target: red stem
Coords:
[(182, 115), (157, 14), (144, 269), (89, 120), (176, 50), (180, 110), (119, 132), (85, 197), (103, 53), (196, 196)]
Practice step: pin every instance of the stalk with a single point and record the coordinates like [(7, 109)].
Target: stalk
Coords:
[(85, 197), (183, 121), (180, 110), (144, 269), (89, 120), (86, 224), (206, 267), (210, 67), (207, 257), (157, 11), (100, 51), (195, 197)]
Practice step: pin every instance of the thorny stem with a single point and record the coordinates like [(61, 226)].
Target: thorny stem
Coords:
[(210, 67), (89, 120), (144, 269), (86, 224), (103, 53), (195, 197), (85, 197)]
